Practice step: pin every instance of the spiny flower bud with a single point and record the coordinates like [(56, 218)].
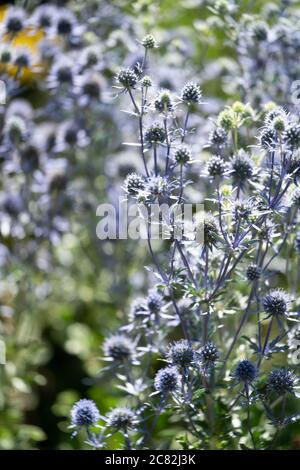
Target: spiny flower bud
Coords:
[(121, 418), (281, 381), (276, 303), (118, 348), (181, 354), (182, 154), (155, 134), (167, 380), (216, 166), (146, 82), (274, 113), (226, 120), (84, 413), (191, 93), (279, 123), (241, 168), (209, 354), (163, 102), (133, 183), (246, 371), (154, 302), (149, 42), (210, 231), (253, 272), (218, 137), (127, 77), (138, 309), (158, 186)]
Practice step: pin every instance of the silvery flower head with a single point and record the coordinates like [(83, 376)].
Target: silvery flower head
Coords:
[(22, 57), (253, 272), (154, 302), (88, 87), (44, 16), (191, 93), (209, 355), (65, 22), (138, 309), (155, 134), (90, 57), (127, 78), (218, 138), (163, 103), (118, 348), (158, 186), (84, 413), (182, 154), (181, 354), (62, 72), (241, 168), (281, 381), (149, 42), (216, 166), (15, 128), (167, 380), (122, 418), (276, 303), (14, 21), (69, 135), (246, 371), (133, 184)]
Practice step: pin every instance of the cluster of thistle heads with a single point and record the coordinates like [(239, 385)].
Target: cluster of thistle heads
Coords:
[(41, 139), (267, 39), (248, 167)]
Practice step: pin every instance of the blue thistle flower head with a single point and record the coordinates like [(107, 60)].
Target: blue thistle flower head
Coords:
[(182, 154), (253, 272), (246, 371), (241, 168), (122, 418), (191, 93), (167, 380), (209, 354), (276, 303), (216, 166), (84, 413), (155, 134), (118, 348), (181, 354), (138, 309), (149, 42), (127, 77), (133, 184), (218, 137), (154, 302), (281, 381)]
